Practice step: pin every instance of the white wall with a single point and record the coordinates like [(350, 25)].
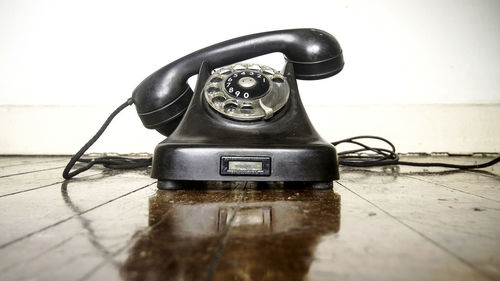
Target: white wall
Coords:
[(71, 57)]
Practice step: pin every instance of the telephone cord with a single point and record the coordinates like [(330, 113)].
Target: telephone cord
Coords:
[(364, 156), (112, 162), (361, 157)]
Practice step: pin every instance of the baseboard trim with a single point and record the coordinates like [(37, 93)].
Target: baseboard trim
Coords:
[(62, 130)]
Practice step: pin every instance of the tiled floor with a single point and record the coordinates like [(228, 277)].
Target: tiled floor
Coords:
[(391, 223)]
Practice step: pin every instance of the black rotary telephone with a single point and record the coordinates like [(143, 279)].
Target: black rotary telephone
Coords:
[(244, 122)]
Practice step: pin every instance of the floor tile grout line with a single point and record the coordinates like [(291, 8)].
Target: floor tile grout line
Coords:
[(5, 245), (220, 250), (43, 186), (117, 252), (494, 238), (136, 237), (452, 188), (36, 163), (30, 189), (39, 255), (94, 269), (86, 224), (29, 172), (133, 239), (420, 233)]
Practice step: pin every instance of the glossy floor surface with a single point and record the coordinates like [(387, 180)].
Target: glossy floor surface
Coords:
[(391, 223)]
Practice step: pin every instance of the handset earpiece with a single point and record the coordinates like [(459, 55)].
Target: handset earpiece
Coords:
[(162, 98)]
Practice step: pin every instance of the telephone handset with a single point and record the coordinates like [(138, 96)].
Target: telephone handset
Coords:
[(243, 122), (162, 98)]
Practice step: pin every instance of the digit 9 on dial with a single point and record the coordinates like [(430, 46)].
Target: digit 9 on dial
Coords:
[(246, 92)]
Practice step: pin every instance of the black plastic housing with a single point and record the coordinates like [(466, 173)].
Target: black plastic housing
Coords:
[(194, 151)]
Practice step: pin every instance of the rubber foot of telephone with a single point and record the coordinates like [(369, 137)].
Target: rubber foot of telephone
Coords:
[(310, 185), (322, 185), (171, 185)]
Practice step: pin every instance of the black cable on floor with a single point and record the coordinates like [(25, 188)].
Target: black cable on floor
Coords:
[(367, 156), (112, 162), (364, 156)]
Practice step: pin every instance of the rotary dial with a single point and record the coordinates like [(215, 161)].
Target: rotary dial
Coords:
[(246, 92)]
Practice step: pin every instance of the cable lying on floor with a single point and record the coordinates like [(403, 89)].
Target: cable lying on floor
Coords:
[(112, 162), (367, 156), (364, 156)]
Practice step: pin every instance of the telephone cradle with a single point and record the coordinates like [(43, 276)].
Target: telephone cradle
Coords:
[(244, 122)]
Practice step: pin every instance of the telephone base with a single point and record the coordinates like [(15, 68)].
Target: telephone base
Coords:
[(207, 147), (181, 185), (177, 163)]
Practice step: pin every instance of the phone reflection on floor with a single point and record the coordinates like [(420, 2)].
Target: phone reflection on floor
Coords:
[(232, 235)]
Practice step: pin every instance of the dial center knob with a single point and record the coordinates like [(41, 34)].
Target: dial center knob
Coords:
[(247, 82), (246, 85)]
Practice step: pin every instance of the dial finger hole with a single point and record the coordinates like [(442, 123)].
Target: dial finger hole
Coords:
[(216, 80), (239, 67), (247, 109), (254, 67), (278, 80), (218, 99), (230, 107), (212, 90), (267, 70)]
